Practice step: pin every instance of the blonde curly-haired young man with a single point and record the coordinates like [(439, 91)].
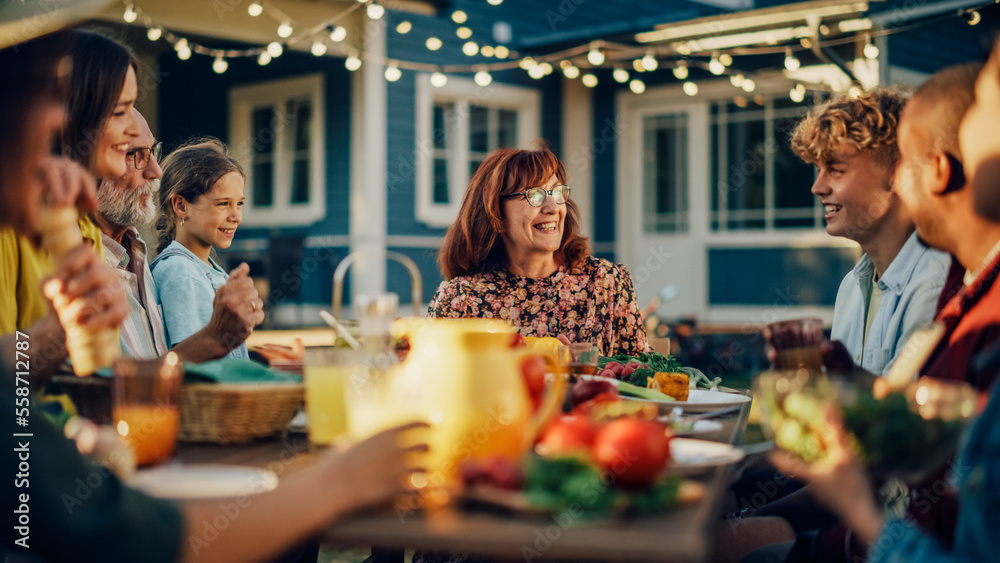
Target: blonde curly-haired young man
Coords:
[(894, 288)]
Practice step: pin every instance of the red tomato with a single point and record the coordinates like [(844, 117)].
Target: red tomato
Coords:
[(533, 372), (517, 341), (634, 451), (567, 434)]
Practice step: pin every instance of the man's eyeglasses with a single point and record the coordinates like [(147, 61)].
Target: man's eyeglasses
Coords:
[(536, 196), (140, 157)]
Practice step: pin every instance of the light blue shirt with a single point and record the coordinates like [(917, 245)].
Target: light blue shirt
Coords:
[(910, 289), (186, 286)]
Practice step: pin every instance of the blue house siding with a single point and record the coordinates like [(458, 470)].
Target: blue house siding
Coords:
[(762, 276)]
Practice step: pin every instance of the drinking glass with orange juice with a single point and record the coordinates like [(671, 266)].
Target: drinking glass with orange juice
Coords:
[(145, 411), (327, 369)]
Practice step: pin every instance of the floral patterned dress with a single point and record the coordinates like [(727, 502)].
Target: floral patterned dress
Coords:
[(591, 302)]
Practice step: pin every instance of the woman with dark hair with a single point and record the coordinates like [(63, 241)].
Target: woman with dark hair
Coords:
[(516, 253), (201, 205)]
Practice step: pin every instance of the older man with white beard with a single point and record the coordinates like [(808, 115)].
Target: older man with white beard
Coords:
[(130, 201)]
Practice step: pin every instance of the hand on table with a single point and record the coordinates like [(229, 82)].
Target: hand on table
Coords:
[(85, 292), (380, 467), (236, 310)]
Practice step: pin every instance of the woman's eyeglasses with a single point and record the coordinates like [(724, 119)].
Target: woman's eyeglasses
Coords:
[(536, 196), (140, 157)]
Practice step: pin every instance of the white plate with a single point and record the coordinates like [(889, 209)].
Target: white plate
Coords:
[(699, 400), (681, 427), (203, 481), (687, 454)]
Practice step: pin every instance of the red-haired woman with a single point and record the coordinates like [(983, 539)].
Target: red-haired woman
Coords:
[(516, 253)]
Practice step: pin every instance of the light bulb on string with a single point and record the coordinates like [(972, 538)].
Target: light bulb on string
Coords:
[(482, 78), (318, 49), (690, 88), (463, 32), (973, 18), (637, 65), (620, 75), (546, 68), (681, 70), (649, 62), (637, 86), (487, 51), (871, 51), (339, 33), (264, 58), (352, 63), (255, 9), (736, 80), (536, 71), (433, 43), (154, 33), (183, 49), (715, 66), (589, 80), (219, 65), (494, 2), (459, 17), (375, 11), (501, 52), (595, 56), (439, 79), (748, 85), (130, 14), (791, 63), (404, 27), (470, 48), (571, 71), (392, 72), (798, 93), (726, 59), (285, 31), (526, 63), (275, 49)]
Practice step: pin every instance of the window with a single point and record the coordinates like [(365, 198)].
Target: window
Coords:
[(277, 134), (665, 194), (758, 182), (458, 125)]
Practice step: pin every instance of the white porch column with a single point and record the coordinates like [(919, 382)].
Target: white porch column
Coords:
[(578, 150), (368, 163)]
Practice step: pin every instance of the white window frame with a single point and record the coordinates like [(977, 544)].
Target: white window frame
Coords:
[(463, 93), (242, 101)]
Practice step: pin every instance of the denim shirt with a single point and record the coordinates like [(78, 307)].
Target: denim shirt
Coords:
[(977, 531), (186, 286), (910, 289)]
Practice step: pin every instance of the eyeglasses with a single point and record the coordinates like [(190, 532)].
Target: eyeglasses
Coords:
[(140, 157), (536, 196)]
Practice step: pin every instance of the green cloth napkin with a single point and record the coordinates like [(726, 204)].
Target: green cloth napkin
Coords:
[(233, 370)]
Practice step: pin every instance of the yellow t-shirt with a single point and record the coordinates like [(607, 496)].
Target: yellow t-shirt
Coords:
[(22, 267)]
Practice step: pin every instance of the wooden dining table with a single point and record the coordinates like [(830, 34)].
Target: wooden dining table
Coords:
[(680, 535)]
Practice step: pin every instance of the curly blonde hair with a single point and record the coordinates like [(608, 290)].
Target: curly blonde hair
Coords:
[(866, 122)]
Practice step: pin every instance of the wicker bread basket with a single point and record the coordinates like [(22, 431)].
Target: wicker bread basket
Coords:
[(233, 413)]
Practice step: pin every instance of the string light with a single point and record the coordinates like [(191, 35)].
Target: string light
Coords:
[(375, 11), (285, 31), (255, 9), (748, 85), (798, 93), (463, 32), (264, 58), (183, 50), (870, 50), (536, 71), (482, 78), (220, 65), (318, 49), (726, 59), (501, 52), (275, 49), (681, 70), (715, 66), (392, 72), (690, 88), (494, 2), (571, 71), (637, 65), (637, 86), (791, 63), (339, 33), (974, 17), (595, 56), (404, 27), (433, 43), (439, 79), (130, 14), (526, 63), (546, 68), (470, 48), (589, 80), (459, 17), (736, 80), (620, 75), (487, 51), (154, 33), (352, 63), (649, 62)]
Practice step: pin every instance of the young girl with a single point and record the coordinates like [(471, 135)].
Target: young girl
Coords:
[(201, 205)]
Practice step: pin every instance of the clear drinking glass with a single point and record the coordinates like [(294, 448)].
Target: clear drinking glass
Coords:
[(145, 411), (796, 343), (579, 358), (326, 373)]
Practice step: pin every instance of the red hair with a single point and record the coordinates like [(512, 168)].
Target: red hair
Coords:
[(474, 243)]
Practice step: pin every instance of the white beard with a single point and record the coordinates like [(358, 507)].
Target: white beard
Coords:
[(122, 207)]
